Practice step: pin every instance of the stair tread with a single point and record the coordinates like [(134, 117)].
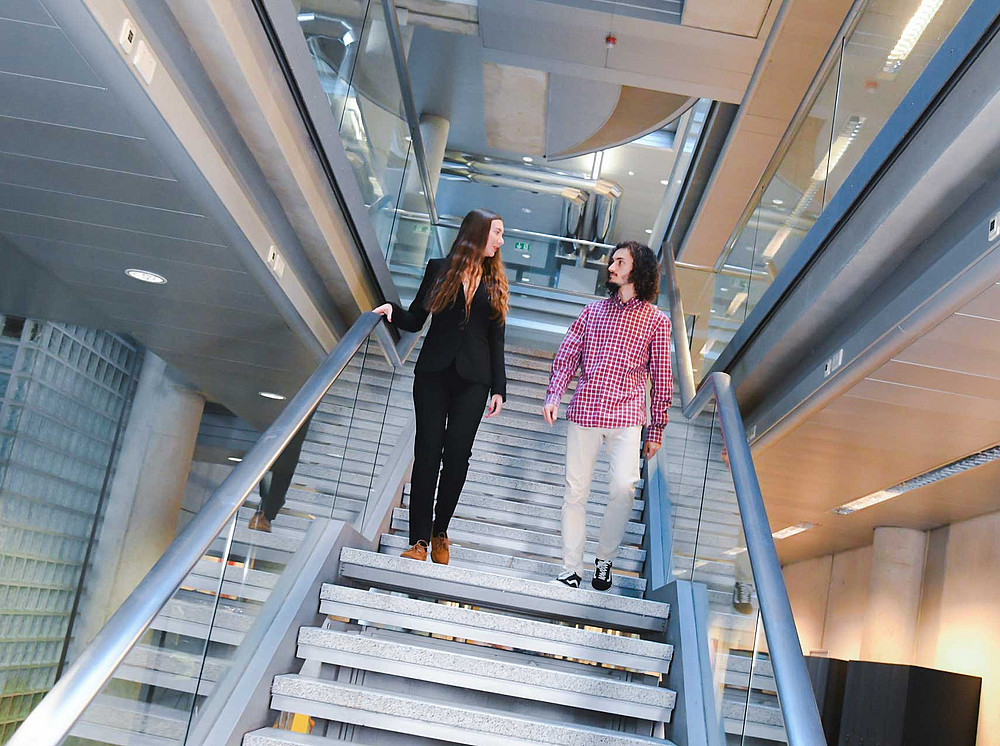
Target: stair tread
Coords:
[(532, 671), (579, 597), (483, 558), (471, 720), (429, 613)]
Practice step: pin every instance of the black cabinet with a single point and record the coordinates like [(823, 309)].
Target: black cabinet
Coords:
[(893, 705)]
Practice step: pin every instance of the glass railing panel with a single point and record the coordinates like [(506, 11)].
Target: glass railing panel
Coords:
[(709, 548), (330, 470), (890, 47), (868, 74)]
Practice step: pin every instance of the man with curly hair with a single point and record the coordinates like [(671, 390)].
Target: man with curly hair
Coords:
[(618, 345)]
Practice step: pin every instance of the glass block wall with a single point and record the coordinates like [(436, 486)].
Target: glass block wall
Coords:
[(64, 394)]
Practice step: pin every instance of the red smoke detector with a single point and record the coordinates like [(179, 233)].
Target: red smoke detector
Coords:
[(610, 40)]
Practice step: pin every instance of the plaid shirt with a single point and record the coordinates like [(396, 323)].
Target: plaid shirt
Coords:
[(616, 347)]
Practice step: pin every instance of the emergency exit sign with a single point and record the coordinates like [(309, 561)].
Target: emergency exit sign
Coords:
[(522, 246)]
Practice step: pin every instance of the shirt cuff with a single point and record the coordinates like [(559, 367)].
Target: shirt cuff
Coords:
[(553, 398), (654, 434)]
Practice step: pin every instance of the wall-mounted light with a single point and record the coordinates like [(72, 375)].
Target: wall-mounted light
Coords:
[(527, 158), (271, 395), (665, 182), (233, 459), (144, 275)]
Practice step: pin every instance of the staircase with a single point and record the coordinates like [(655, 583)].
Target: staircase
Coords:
[(482, 651), (486, 650)]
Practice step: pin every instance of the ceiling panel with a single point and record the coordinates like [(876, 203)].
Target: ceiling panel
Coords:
[(29, 11), (165, 194), (80, 146), (42, 52), (97, 211), (18, 225), (938, 379), (82, 106)]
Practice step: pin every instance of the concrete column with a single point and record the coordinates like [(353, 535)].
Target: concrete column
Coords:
[(144, 502), (434, 134), (890, 629)]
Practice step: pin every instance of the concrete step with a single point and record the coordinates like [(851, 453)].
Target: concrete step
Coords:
[(473, 667), (552, 600), (506, 564), (529, 491), (195, 614), (523, 541), (349, 703), (117, 720), (170, 668), (524, 634), (529, 515)]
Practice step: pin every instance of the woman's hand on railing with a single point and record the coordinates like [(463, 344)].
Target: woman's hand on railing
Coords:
[(384, 310), (495, 406)]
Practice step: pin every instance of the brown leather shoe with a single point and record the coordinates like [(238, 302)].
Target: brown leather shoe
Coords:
[(439, 549), (417, 552), (259, 522)]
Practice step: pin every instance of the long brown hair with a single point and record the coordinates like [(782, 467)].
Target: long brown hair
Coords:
[(466, 258)]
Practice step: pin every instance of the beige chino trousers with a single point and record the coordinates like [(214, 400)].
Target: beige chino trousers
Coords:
[(583, 444)]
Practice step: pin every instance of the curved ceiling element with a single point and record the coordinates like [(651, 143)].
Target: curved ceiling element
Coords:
[(638, 112)]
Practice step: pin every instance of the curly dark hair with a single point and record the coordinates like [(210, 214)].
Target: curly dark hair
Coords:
[(645, 271)]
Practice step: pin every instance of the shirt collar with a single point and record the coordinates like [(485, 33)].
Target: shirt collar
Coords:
[(632, 303)]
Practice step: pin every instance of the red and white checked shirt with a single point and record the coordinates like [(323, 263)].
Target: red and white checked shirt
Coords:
[(617, 347)]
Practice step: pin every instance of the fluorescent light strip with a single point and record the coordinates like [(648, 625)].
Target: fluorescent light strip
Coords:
[(935, 475), (798, 528), (911, 35)]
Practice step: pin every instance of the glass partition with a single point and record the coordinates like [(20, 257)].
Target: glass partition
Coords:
[(708, 546), (329, 471), (867, 74), (353, 58)]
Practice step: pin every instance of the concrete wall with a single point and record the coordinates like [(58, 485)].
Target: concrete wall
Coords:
[(958, 619)]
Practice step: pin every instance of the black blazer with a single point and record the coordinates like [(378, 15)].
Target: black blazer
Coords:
[(475, 346)]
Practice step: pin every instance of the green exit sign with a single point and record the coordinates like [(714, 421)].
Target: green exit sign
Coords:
[(422, 228), (522, 246)]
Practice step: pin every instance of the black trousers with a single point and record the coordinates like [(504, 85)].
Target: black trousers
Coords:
[(448, 411), (274, 485)]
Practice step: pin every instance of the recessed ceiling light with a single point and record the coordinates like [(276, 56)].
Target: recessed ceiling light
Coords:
[(777, 201), (665, 182), (649, 230), (233, 459), (526, 210), (272, 395), (143, 275), (631, 173), (527, 158), (798, 528)]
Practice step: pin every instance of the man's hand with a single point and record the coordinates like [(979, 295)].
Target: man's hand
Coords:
[(495, 405), (651, 448), (551, 413)]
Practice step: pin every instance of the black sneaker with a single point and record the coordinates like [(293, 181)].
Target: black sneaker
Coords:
[(602, 575), (569, 578)]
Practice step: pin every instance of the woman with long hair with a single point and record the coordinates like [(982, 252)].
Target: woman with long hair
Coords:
[(461, 365)]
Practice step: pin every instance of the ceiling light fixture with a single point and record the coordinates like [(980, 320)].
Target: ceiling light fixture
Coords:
[(631, 173), (981, 458), (911, 35), (271, 395), (527, 158), (144, 275), (798, 528)]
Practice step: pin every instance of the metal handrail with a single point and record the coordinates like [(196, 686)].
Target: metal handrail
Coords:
[(56, 714), (803, 725)]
